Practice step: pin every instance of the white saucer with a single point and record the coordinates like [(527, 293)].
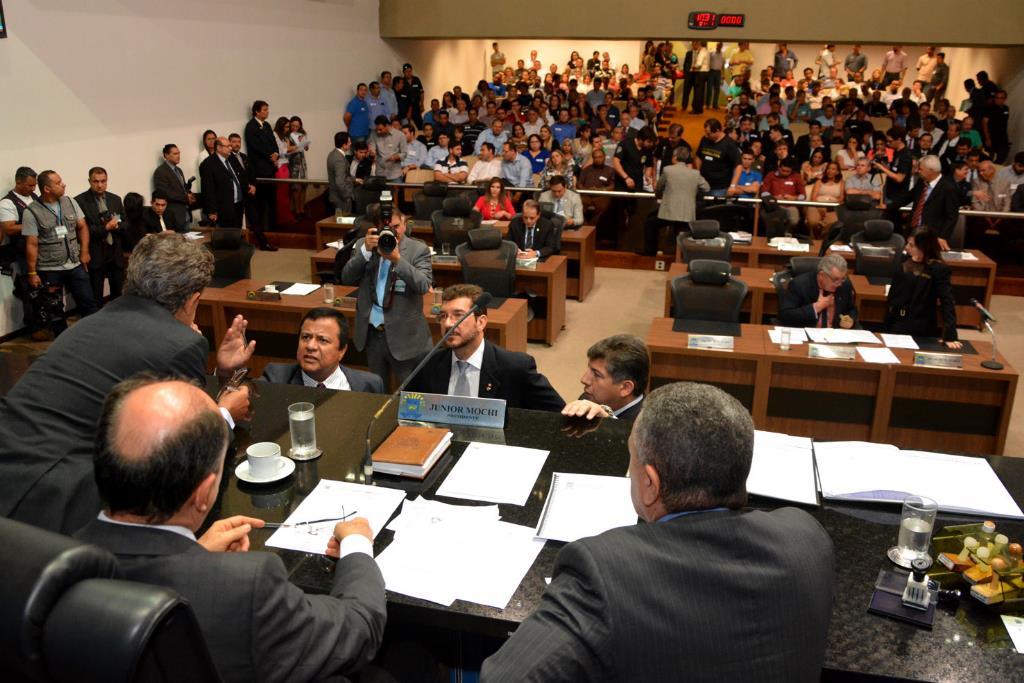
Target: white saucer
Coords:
[(285, 466)]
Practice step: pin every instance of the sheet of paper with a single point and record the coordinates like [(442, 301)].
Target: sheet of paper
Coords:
[(494, 473), (841, 248), (796, 335), (783, 468), (421, 513), (581, 505), (1015, 627), (794, 247), (337, 244), (899, 341), (301, 289), (831, 335), (331, 499), (850, 470), (877, 354)]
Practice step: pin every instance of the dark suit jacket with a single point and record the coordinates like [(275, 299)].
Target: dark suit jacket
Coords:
[(219, 192), (260, 143), (153, 222), (98, 247), (50, 415), (711, 596), (796, 307), (507, 375), (167, 182), (543, 238), (291, 373), (941, 209), (258, 625)]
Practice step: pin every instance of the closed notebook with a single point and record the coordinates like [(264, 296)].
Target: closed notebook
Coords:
[(411, 451)]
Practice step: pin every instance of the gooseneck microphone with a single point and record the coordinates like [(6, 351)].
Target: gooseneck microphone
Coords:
[(478, 305), (984, 311)]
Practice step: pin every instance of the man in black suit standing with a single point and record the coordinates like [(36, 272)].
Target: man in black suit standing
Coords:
[(239, 160), (532, 233), (823, 298), (169, 180), (50, 415), (475, 367), (223, 189), (103, 213), (158, 219), (935, 200), (259, 140), (757, 594), (159, 460), (323, 341), (616, 378)]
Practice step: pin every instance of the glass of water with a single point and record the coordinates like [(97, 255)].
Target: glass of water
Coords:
[(446, 248), (916, 524), (302, 425)]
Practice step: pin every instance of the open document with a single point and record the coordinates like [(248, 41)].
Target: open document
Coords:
[(494, 473), (871, 472), (783, 468), (580, 505)]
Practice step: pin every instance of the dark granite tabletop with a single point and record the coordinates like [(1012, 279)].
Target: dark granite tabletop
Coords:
[(967, 642)]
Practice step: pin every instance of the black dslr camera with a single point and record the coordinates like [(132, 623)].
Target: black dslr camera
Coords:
[(387, 239), (46, 304)]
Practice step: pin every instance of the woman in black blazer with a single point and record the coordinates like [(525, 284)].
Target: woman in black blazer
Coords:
[(919, 281)]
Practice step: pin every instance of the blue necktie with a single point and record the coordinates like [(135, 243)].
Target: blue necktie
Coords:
[(377, 311), (529, 238)]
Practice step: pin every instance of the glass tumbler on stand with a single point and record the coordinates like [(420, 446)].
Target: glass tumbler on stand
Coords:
[(302, 425), (916, 524)]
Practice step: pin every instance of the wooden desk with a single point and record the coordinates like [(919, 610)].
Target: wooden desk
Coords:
[(762, 301), (957, 410), (971, 279), (579, 246), (547, 280), (275, 324)]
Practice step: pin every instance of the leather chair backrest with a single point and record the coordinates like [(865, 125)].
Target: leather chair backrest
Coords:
[(424, 205), (376, 183), (719, 300), (457, 206), (730, 217), (435, 189), (718, 248), (703, 229), (225, 238), (484, 238), (710, 272), (799, 265), (492, 268), (878, 230)]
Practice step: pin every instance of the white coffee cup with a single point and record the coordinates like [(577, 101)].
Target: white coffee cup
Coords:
[(264, 459)]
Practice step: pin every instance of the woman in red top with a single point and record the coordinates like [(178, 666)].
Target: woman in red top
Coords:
[(495, 203)]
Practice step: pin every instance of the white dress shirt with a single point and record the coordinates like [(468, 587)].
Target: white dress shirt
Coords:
[(629, 405), (472, 371), (336, 381)]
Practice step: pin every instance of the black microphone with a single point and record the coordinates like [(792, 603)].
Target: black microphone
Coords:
[(478, 305), (984, 311)]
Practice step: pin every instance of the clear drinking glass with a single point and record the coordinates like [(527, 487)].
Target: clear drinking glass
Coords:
[(916, 524), (328, 293), (784, 339), (446, 248), (302, 425)]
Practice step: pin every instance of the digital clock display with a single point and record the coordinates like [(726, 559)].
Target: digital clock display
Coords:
[(706, 21)]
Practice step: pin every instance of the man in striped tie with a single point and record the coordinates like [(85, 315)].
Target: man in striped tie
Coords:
[(933, 198)]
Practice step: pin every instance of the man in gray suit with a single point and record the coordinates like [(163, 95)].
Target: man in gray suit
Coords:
[(677, 189), (159, 461), (565, 202), (390, 324), (323, 341), (704, 590), (339, 174), (169, 181)]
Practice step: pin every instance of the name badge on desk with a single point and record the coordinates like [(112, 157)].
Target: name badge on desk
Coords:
[(453, 410), (938, 360), (831, 351), (713, 342)]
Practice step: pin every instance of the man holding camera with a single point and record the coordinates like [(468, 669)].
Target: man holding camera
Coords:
[(103, 211), (393, 273)]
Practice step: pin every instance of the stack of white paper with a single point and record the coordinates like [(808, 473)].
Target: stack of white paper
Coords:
[(783, 468), (835, 335), (872, 354), (581, 505), (444, 553), (331, 500), (899, 341), (861, 471), (301, 289), (494, 473), (337, 244), (796, 335), (841, 247)]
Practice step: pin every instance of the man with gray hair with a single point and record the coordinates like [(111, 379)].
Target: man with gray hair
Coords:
[(822, 298), (50, 415), (934, 201), (747, 593), (677, 188)]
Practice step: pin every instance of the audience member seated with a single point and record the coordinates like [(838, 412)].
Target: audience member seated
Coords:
[(515, 168), (922, 280), (158, 218), (785, 183), (532, 233), (452, 169), (487, 165), (159, 460), (615, 380), (746, 180), (473, 366), (323, 342), (564, 202), (495, 203), (823, 298), (603, 618)]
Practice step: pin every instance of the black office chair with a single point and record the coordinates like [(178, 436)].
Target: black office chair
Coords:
[(557, 223), (488, 261), (798, 265), (853, 214), (704, 240), (65, 617), (453, 222), (877, 249), (708, 292), (731, 217), (232, 256), (956, 240), (359, 228), (428, 200), (369, 192)]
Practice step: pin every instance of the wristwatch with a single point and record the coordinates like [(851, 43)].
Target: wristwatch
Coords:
[(608, 411)]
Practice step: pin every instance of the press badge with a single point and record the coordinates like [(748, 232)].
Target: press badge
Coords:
[(61, 230), (400, 286)]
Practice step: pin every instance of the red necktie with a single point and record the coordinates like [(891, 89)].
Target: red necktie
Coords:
[(915, 220)]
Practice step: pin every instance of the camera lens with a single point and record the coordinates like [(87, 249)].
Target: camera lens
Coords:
[(387, 241)]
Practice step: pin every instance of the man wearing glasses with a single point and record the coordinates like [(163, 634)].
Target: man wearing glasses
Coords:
[(824, 298)]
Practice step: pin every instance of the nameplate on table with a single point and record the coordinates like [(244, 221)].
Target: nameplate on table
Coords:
[(345, 220), (456, 410), (345, 303), (831, 351), (445, 259), (938, 360), (712, 342)]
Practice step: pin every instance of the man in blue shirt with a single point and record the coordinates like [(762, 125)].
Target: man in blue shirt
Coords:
[(377, 104), (563, 129), (357, 115), (496, 136), (515, 168), (388, 94)]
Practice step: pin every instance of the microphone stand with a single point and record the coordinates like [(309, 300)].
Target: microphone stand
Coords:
[(991, 364), (481, 302)]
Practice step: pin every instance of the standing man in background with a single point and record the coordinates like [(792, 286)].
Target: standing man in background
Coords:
[(497, 61), (357, 115), (262, 147), (340, 186), (414, 88), (677, 189), (389, 147), (223, 190), (716, 65), (855, 64), (169, 180), (103, 213), (12, 242), (699, 73)]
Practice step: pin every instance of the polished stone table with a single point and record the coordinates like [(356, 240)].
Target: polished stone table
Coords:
[(967, 643)]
